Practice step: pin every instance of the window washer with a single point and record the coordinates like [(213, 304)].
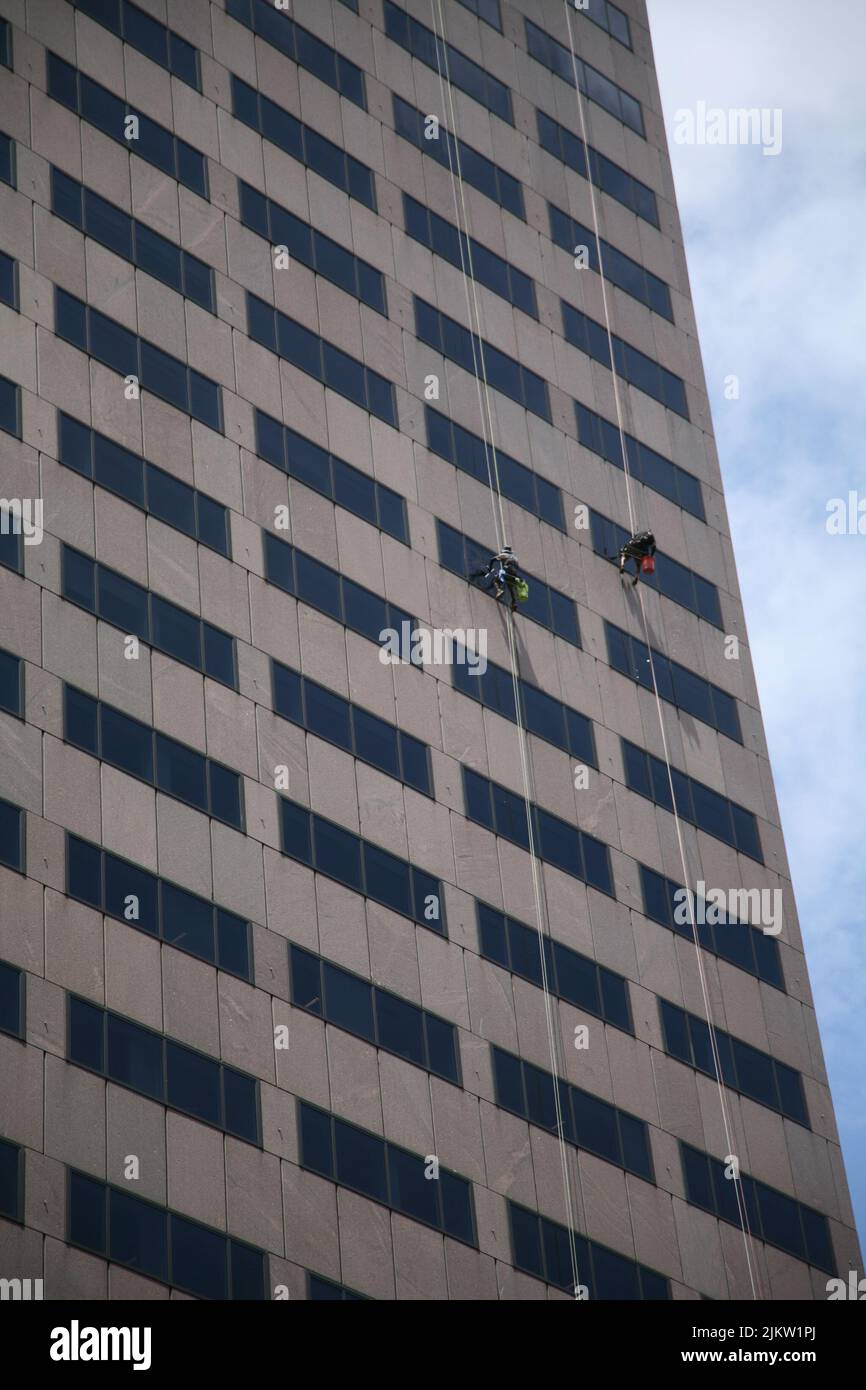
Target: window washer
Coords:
[(641, 548), (502, 572)]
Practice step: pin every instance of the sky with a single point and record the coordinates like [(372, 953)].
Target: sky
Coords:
[(775, 250)]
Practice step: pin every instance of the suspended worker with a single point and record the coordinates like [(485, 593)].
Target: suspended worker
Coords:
[(502, 573), (641, 548)]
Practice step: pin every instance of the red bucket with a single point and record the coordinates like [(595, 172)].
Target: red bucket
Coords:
[(648, 564)]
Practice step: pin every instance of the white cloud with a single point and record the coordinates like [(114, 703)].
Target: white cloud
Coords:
[(775, 255)]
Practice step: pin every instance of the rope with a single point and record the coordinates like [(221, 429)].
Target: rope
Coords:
[(486, 411), (741, 1204)]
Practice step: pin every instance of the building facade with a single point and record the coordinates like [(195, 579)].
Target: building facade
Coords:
[(316, 864)]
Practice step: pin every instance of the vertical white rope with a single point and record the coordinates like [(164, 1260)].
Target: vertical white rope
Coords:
[(728, 1128), (486, 409)]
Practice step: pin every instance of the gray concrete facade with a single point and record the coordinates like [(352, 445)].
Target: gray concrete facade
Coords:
[(60, 1117)]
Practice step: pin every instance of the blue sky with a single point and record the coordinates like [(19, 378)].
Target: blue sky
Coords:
[(776, 252)]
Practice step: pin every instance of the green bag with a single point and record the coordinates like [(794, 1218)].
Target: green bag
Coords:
[(521, 590)]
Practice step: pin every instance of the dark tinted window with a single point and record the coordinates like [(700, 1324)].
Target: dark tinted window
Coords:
[(505, 374), (134, 1057), (712, 813), (618, 268), (302, 142), (339, 854), (11, 685), (423, 44), (121, 350), (773, 1216), (11, 1000), (562, 844), (555, 56), (106, 111), (544, 1248)]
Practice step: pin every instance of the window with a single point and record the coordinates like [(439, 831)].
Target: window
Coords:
[(571, 850), (446, 240), (302, 142), (7, 160), (161, 1244), (312, 248), (755, 1074), (301, 46), (382, 1018), (320, 1290), (606, 175), (146, 34), (131, 239), (672, 579), (698, 697), (135, 748), (162, 1069), (312, 354), (11, 1000), (632, 365), (386, 1173), (546, 606), (773, 1217), (361, 866), (488, 10), (476, 169), (543, 716), (362, 734), (5, 44), (593, 84), (358, 608), (608, 17), (504, 373), (11, 684), (742, 945), (696, 803), (11, 1180), (121, 350), (11, 836), (133, 609), (570, 976), (108, 113), (461, 71), (345, 485), (619, 269), (8, 281), (543, 1248), (588, 1122), (10, 421)]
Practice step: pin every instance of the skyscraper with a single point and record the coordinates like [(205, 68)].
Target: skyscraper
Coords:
[(360, 938)]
